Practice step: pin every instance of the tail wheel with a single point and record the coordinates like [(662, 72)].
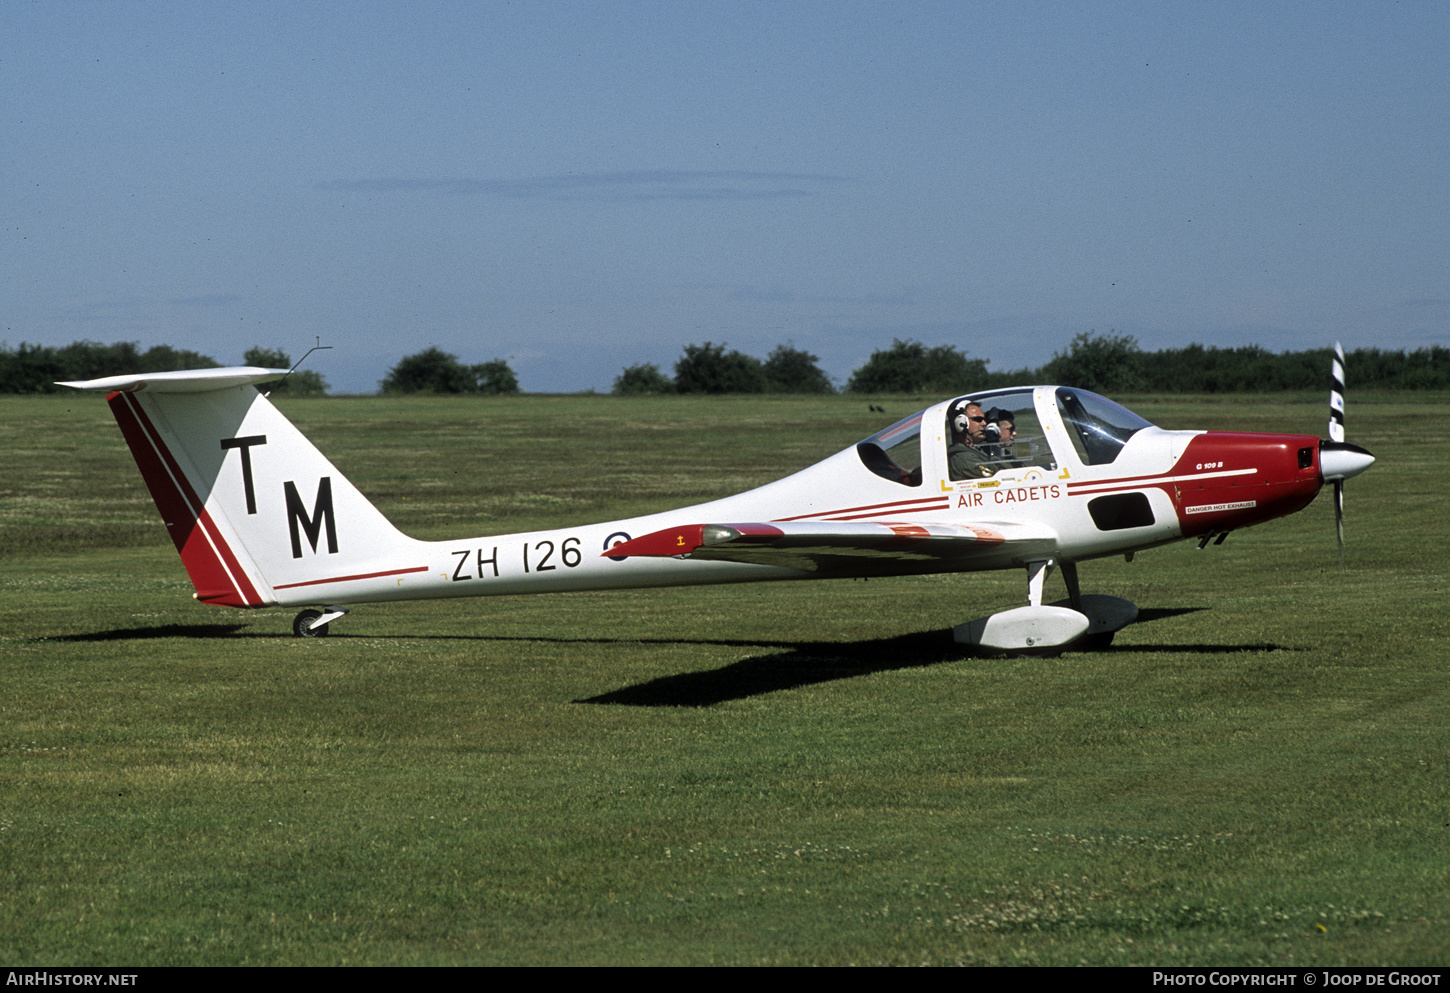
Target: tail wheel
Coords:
[(305, 625)]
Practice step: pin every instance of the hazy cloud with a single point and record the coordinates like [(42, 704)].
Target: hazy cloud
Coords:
[(618, 187), (110, 309), (781, 294), (206, 300), (762, 294)]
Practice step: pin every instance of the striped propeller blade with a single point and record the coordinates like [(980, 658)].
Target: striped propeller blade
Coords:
[(1336, 394)]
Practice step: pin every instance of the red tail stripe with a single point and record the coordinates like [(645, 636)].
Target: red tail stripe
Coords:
[(214, 569)]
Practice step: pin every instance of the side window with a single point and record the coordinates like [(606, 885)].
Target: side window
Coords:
[(895, 452)]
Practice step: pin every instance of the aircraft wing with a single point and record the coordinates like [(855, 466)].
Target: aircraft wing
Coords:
[(851, 548)]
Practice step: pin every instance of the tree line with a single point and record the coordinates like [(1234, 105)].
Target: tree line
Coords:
[(1115, 364), (1107, 363)]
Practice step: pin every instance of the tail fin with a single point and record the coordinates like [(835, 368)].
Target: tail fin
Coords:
[(257, 513)]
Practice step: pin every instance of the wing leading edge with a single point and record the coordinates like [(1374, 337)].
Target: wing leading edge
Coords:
[(850, 548)]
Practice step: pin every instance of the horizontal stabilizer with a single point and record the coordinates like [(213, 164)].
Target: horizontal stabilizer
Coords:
[(183, 381)]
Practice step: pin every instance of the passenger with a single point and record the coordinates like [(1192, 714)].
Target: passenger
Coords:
[(965, 457), (1001, 433), (1007, 424)]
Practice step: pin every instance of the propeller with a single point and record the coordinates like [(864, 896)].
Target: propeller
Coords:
[(1339, 460)]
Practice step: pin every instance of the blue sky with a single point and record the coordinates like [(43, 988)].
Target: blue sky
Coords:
[(577, 187)]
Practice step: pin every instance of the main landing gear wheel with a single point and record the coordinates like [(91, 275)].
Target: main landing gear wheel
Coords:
[(1095, 642), (305, 625), (1079, 623), (1107, 615)]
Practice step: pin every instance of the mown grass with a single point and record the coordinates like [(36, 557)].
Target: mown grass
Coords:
[(802, 773)]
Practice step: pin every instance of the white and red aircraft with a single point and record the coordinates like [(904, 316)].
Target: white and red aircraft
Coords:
[(261, 518)]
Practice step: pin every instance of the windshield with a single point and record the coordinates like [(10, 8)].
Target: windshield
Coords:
[(1098, 427), (894, 453)]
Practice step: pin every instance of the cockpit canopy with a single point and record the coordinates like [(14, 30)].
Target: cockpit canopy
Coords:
[(1015, 437)]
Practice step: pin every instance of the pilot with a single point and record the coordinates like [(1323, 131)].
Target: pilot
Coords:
[(965, 457)]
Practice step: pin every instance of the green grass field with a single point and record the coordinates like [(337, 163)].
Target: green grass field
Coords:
[(1258, 772)]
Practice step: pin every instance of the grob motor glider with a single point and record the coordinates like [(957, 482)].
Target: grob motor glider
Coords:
[(261, 518)]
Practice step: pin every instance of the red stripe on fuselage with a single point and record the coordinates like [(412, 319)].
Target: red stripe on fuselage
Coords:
[(874, 509), (209, 561), (348, 579)]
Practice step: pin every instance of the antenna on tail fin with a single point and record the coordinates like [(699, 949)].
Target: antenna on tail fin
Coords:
[(319, 347)]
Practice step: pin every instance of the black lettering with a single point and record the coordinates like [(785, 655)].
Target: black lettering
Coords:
[(493, 562), (571, 556), (541, 566), (462, 561), (245, 445), (321, 514)]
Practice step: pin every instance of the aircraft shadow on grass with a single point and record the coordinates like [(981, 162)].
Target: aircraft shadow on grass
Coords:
[(794, 663), (198, 631), (802, 664), (240, 631), (808, 663)]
